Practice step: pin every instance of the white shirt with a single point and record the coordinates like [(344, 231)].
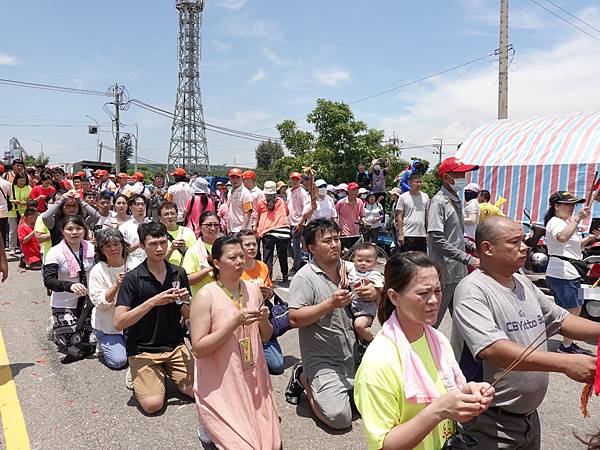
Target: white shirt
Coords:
[(325, 209), (6, 187), (298, 202), (102, 278), (130, 232), (559, 268), (65, 299), (471, 208), (180, 191), (106, 221), (238, 203)]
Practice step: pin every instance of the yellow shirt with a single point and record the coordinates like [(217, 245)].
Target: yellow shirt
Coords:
[(190, 240), (487, 209), (195, 260), (379, 395), (41, 227)]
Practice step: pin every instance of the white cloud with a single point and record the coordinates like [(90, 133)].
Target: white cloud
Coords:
[(232, 5), (558, 80), (220, 45), (331, 77), (8, 60), (258, 76), (244, 28), (272, 56), (487, 13)]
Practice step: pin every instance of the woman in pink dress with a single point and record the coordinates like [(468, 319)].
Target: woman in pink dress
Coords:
[(232, 385)]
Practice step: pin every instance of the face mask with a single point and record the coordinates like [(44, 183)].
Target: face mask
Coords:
[(323, 191), (229, 189), (459, 184)]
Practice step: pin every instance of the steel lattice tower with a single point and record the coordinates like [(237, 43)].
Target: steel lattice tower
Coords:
[(188, 134)]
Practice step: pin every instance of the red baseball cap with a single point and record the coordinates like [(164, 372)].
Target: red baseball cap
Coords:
[(1, 168), (249, 175), (139, 176), (236, 172), (80, 174), (180, 172), (122, 175), (352, 186), (101, 172), (453, 164), (296, 175)]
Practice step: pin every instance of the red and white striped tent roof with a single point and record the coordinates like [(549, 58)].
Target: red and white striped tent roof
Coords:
[(526, 160), (560, 139)]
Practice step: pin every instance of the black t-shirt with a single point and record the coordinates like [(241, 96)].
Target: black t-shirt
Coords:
[(363, 179), (160, 329)]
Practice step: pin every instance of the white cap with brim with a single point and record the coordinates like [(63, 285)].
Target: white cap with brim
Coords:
[(320, 183), (341, 187), (362, 191)]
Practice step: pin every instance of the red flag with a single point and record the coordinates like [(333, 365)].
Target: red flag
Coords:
[(597, 374), (596, 185)]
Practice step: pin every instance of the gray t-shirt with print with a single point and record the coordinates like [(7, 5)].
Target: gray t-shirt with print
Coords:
[(486, 312), (414, 212), (327, 345)]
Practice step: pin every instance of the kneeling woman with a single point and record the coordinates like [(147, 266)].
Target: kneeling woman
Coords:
[(409, 389), (105, 278), (228, 325), (66, 272)]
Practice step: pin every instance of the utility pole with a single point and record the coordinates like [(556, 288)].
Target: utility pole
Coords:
[(136, 145), (100, 153), (117, 136), (440, 148), (503, 62)]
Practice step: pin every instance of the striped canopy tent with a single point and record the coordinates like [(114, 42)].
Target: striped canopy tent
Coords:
[(526, 160)]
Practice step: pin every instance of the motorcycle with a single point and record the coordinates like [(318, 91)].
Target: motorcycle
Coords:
[(537, 255)]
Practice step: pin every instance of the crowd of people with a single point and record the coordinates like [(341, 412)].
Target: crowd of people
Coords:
[(177, 281)]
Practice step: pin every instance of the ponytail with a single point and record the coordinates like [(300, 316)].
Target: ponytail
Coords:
[(549, 214)]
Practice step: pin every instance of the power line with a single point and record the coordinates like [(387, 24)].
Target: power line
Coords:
[(574, 16), (565, 20), (50, 87)]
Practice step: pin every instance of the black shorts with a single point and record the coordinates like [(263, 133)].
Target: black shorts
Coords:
[(414, 244)]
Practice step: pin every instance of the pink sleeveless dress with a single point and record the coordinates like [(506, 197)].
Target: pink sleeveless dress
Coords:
[(235, 405)]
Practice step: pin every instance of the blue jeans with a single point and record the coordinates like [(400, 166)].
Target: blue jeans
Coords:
[(273, 356), (112, 347)]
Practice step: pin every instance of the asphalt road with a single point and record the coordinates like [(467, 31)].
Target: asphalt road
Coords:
[(86, 406)]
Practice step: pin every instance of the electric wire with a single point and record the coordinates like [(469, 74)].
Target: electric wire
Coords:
[(50, 87), (565, 20), (574, 16)]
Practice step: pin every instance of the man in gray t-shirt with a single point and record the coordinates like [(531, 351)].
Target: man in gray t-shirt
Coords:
[(319, 306), (497, 314), (445, 230), (411, 217)]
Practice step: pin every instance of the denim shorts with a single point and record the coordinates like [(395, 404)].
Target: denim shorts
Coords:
[(566, 292)]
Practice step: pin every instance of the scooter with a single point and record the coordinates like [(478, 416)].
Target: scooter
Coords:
[(537, 256)]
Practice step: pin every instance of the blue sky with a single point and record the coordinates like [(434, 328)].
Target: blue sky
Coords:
[(267, 60)]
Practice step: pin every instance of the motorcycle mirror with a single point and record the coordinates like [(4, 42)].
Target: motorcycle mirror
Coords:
[(527, 214)]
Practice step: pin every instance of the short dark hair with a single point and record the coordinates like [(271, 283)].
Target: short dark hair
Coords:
[(322, 225), (243, 233), (485, 195), (153, 229), (30, 212), (76, 177), (45, 177), (18, 161), (166, 205), (103, 196), (134, 197), (415, 175), (398, 273), (159, 174), (218, 250), (179, 178), (77, 220), (92, 194)]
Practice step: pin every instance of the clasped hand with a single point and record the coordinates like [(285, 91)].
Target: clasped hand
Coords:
[(248, 316)]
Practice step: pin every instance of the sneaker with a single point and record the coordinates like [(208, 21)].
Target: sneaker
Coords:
[(574, 349), (128, 380), (294, 388)]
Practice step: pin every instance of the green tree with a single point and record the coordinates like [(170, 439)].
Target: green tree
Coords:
[(41, 158), (267, 153), (126, 148)]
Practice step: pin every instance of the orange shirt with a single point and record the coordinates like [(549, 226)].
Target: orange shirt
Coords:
[(269, 220), (260, 273)]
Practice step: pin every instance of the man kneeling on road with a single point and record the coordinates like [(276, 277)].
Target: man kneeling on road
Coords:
[(497, 314), (147, 310), (318, 302)]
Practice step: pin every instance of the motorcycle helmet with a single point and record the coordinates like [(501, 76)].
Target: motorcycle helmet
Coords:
[(539, 262)]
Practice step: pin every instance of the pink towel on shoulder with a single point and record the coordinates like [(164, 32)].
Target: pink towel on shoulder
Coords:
[(72, 263), (418, 385)]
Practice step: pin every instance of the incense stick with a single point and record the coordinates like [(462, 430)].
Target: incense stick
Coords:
[(524, 354)]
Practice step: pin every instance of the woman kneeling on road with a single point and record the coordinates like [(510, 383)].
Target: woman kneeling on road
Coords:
[(409, 389), (105, 278), (66, 272), (228, 325)]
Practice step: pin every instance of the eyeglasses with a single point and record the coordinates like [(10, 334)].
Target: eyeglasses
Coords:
[(210, 225)]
